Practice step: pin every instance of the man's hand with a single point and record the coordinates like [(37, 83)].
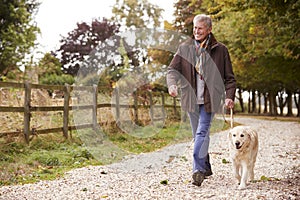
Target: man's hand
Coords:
[(229, 103), (173, 90)]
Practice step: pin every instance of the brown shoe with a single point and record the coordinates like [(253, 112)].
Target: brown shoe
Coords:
[(198, 178), (208, 173)]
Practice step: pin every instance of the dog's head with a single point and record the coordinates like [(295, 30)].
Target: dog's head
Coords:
[(239, 137)]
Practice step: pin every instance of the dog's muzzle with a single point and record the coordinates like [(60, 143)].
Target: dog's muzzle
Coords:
[(237, 145)]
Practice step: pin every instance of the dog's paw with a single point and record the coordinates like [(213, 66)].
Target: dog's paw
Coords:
[(242, 186)]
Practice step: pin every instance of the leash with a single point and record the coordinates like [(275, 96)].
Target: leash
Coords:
[(231, 118)]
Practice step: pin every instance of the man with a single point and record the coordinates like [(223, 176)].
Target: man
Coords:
[(202, 67)]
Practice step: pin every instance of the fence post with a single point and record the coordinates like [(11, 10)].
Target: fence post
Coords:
[(27, 113), (174, 102), (95, 94), (117, 106), (66, 110), (135, 107), (151, 106)]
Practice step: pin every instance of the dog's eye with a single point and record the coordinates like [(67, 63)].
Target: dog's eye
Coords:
[(233, 135), (242, 135)]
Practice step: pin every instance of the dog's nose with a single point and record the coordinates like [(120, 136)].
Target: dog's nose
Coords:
[(237, 143)]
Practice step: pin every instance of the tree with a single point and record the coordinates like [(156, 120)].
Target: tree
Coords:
[(142, 17), (81, 41), (17, 32), (136, 13), (184, 15), (50, 71)]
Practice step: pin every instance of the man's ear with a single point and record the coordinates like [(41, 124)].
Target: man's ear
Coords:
[(209, 29)]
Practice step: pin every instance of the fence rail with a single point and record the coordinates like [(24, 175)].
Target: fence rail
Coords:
[(27, 109)]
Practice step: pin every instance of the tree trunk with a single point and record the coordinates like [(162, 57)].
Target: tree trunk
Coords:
[(273, 104), (271, 110), (249, 102), (297, 102), (241, 101), (259, 103), (289, 101), (281, 102), (265, 103), (253, 102)]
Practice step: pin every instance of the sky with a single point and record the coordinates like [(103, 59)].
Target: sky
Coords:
[(56, 18)]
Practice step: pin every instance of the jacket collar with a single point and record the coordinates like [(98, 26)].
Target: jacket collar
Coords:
[(213, 41)]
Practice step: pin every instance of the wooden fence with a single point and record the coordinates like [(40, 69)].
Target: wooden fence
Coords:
[(28, 109)]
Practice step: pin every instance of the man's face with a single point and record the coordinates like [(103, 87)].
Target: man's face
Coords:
[(200, 30)]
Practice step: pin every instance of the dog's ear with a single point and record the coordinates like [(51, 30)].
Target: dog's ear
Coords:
[(247, 132), (252, 134)]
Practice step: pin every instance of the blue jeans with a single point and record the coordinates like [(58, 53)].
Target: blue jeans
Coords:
[(200, 122)]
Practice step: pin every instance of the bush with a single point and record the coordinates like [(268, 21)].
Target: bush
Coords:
[(54, 79)]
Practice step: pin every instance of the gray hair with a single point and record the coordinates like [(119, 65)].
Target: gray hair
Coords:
[(203, 18)]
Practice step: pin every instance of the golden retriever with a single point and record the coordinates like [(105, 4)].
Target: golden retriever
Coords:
[(243, 151)]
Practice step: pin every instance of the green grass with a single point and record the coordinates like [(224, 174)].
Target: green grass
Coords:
[(48, 157)]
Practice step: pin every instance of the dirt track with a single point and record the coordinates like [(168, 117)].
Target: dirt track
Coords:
[(142, 176)]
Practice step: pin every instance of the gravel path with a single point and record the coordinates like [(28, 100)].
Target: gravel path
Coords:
[(141, 176)]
